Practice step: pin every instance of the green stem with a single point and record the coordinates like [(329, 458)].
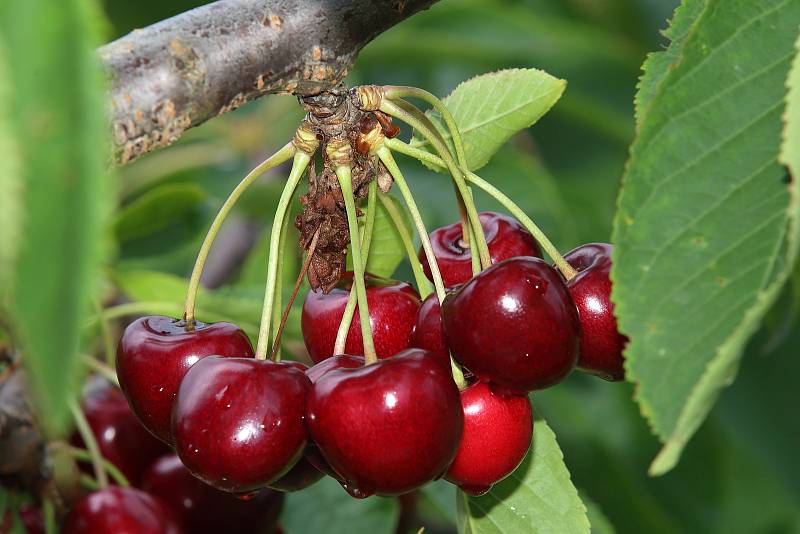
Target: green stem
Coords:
[(109, 347), (85, 456), (100, 368), (566, 269), (194, 281), (49, 514), (391, 165), (343, 173), (299, 165), (89, 440), (277, 308), (396, 111), (366, 242), (423, 285)]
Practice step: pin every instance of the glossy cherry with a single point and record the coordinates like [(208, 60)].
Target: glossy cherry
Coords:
[(514, 324), (238, 422), (428, 333), (116, 510), (505, 237), (497, 434), (601, 344), (201, 509), (393, 308), (122, 439), (388, 427), (154, 354)]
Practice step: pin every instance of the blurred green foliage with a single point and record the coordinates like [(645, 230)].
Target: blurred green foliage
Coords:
[(740, 474)]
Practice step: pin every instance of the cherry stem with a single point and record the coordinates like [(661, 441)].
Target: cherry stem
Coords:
[(566, 269), (301, 160), (352, 300), (85, 431), (303, 270), (194, 281), (343, 173), (423, 285), (83, 455), (100, 368), (386, 157), (417, 120), (276, 308)]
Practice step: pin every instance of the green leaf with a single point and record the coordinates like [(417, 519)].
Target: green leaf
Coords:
[(157, 210), (490, 108), (11, 183), (536, 498), (58, 104), (386, 250), (339, 513), (701, 241)]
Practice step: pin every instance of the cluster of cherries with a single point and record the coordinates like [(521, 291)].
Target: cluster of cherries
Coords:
[(246, 426)]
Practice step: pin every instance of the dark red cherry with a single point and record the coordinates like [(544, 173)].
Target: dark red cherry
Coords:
[(122, 439), (601, 342), (393, 308), (154, 354), (388, 427), (238, 422), (29, 516), (116, 510), (514, 324), (428, 333), (504, 235), (497, 434), (201, 509)]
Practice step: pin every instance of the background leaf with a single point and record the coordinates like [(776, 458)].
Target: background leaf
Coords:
[(11, 184), (157, 210), (538, 497), (490, 108), (61, 133), (386, 250), (700, 231)]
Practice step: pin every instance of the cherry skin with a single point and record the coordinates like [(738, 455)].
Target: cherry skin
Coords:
[(154, 354), (389, 427), (428, 333), (122, 439), (601, 344), (116, 510), (201, 509), (505, 237), (29, 516), (514, 325), (393, 308), (497, 435), (238, 422)]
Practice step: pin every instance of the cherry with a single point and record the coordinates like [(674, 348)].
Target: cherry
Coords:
[(201, 509), (514, 324), (238, 422), (154, 354), (497, 435), (428, 333), (388, 427), (601, 344), (122, 439), (116, 510), (29, 516), (393, 308), (504, 235)]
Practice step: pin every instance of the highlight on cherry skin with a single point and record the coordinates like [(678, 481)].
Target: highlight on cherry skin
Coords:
[(154, 354), (505, 237)]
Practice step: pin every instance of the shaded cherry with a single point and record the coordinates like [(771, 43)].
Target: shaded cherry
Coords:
[(601, 342), (393, 308), (238, 422), (428, 333), (389, 427), (122, 439), (154, 354), (505, 237), (29, 516), (201, 509), (116, 510), (497, 434), (514, 324)]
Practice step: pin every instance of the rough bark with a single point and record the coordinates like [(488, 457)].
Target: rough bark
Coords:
[(182, 71)]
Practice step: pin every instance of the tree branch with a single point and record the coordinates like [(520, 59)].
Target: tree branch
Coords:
[(180, 72)]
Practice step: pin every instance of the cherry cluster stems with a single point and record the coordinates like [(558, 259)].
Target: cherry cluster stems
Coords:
[(343, 173), (301, 160), (281, 156), (86, 434), (566, 269), (387, 159)]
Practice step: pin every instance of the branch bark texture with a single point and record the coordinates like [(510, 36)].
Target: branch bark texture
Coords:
[(182, 71)]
